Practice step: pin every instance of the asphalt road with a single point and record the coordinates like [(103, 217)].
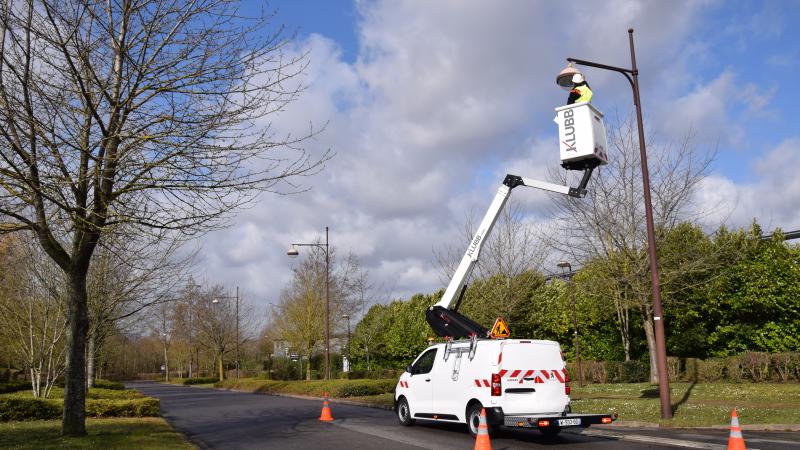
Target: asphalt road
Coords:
[(220, 419)]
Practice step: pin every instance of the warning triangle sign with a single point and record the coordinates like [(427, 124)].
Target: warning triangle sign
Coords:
[(500, 329)]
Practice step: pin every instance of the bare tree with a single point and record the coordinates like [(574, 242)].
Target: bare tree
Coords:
[(609, 224), (299, 316), (32, 313), (513, 253), (128, 274), (150, 113)]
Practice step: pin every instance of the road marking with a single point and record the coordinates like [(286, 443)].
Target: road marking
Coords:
[(386, 433), (655, 440)]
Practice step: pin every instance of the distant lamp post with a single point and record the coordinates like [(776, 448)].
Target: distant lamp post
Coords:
[(632, 75), (215, 301), (292, 252), (347, 316), (567, 273)]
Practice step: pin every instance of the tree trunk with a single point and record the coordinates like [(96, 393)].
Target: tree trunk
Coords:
[(308, 367), (166, 363), (74, 417), (649, 332), (221, 368), (90, 361)]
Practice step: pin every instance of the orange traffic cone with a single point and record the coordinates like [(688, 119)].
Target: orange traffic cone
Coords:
[(326, 410), (735, 440), (482, 441)]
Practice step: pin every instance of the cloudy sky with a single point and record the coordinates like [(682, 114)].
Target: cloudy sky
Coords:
[(429, 103)]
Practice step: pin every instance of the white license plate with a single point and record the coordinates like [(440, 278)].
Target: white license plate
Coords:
[(568, 422)]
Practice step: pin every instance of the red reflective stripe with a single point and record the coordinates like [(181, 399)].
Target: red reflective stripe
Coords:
[(478, 383), (502, 372), (538, 380), (500, 358), (528, 373), (558, 375), (515, 373), (486, 382), (546, 374)]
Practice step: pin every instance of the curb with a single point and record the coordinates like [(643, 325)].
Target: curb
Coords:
[(310, 397)]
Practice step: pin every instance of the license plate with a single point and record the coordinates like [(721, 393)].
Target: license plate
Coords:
[(568, 422)]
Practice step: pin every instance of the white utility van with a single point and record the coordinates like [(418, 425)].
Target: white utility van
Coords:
[(520, 382)]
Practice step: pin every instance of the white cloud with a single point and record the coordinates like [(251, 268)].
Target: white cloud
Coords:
[(444, 99), (771, 200)]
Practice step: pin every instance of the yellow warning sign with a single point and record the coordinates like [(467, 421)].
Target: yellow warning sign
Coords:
[(500, 329)]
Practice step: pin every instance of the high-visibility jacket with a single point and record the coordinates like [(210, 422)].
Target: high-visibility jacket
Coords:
[(580, 93)]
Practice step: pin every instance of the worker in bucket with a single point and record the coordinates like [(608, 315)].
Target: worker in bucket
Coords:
[(581, 92)]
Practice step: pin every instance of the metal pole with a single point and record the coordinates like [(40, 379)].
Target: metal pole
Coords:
[(237, 332), (661, 350), (577, 341), (349, 362), (327, 309)]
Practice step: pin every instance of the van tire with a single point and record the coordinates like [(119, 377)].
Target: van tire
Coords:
[(474, 417), (404, 413)]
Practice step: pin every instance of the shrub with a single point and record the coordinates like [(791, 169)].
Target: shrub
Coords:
[(20, 408), (199, 380), (108, 384), (360, 388), (733, 369), (712, 369), (140, 407), (756, 365), (14, 386), (785, 366)]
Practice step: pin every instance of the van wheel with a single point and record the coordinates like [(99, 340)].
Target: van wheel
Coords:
[(404, 413), (474, 419)]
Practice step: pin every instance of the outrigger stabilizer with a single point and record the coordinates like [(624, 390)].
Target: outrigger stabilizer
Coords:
[(446, 321)]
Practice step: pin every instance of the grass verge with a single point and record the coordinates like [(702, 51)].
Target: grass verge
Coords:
[(139, 433), (336, 388), (694, 405)]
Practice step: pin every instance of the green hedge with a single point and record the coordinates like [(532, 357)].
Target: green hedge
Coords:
[(336, 388), (199, 380), (18, 408), (140, 407), (108, 384), (755, 367), (14, 386)]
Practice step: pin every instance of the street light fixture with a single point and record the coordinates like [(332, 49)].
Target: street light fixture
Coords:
[(215, 301), (567, 274), (292, 252), (632, 75)]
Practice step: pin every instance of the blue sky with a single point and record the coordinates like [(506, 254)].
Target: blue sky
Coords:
[(429, 103)]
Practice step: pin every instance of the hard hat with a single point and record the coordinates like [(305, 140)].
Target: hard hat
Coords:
[(577, 78)]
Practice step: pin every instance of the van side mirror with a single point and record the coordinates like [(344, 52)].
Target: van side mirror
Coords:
[(409, 369)]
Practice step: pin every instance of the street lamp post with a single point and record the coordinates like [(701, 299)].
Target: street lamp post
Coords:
[(293, 252), (568, 273), (632, 75), (347, 316), (228, 297)]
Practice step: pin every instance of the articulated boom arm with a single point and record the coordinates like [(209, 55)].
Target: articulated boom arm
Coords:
[(446, 321)]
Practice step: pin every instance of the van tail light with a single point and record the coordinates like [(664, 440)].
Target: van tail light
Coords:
[(566, 386), (496, 385), (566, 389)]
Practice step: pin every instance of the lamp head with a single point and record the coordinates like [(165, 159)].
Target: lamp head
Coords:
[(292, 252), (564, 78)]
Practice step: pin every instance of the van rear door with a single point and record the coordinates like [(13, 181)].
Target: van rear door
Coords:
[(533, 377)]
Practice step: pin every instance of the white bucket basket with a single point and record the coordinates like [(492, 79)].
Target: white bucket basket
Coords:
[(581, 136)]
